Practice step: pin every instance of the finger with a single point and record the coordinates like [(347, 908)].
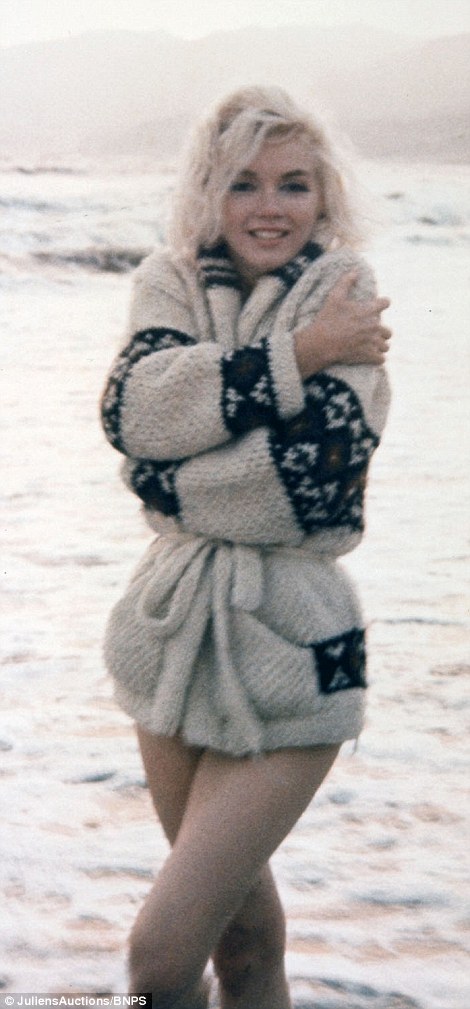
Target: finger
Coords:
[(343, 286), (372, 310)]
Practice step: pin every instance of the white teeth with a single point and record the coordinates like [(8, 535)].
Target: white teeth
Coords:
[(267, 234)]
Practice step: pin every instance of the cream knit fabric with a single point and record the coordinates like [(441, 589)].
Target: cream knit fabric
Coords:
[(240, 629)]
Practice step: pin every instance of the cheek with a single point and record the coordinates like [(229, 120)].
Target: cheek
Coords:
[(312, 213), (230, 218)]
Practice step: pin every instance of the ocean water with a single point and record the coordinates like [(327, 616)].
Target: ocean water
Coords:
[(375, 875)]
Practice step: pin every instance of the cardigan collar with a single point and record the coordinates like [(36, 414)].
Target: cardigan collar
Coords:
[(217, 270)]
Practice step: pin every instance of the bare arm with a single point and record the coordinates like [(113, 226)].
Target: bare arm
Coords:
[(345, 331)]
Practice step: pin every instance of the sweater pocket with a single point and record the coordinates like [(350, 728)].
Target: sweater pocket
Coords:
[(277, 675)]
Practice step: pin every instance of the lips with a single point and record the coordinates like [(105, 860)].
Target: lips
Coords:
[(268, 234)]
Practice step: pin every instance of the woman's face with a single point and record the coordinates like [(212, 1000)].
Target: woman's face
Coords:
[(271, 208)]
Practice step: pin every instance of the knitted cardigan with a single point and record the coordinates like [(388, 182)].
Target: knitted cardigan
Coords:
[(240, 629)]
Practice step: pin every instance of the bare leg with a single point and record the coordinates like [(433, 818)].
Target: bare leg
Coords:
[(237, 812), (170, 766), (249, 957)]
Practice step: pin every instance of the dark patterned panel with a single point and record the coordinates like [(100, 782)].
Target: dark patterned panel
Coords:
[(154, 483), (292, 271), (322, 456), (217, 269), (341, 662), (248, 398), (149, 341)]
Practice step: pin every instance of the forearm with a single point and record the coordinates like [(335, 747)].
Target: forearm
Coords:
[(315, 349)]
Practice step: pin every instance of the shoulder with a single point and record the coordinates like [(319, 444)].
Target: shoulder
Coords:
[(160, 272), (165, 293)]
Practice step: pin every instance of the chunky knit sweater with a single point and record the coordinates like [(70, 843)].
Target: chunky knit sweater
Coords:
[(240, 629)]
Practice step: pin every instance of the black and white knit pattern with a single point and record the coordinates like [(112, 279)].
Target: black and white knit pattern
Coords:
[(155, 484), (248, 394), (216, 268), (341, 662), (147, 342), (291, 272), (322, 456)]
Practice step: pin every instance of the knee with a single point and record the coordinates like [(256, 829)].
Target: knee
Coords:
[(247, 950), (155, 967)]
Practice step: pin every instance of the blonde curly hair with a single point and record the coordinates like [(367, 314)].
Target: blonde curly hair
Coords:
[(226, 141)]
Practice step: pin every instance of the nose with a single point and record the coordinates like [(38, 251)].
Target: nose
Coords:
[(268, 203)]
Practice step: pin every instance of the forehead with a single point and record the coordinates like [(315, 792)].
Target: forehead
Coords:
[(281, 157)]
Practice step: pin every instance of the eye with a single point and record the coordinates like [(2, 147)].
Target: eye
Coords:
[(242, 186), (295, 187)]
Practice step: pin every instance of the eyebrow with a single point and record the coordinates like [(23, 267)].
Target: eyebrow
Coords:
[(287, 175)]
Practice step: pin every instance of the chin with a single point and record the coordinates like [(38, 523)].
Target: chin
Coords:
[(271, 259)]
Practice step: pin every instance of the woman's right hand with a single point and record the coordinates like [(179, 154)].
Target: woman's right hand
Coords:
[(345, 331)]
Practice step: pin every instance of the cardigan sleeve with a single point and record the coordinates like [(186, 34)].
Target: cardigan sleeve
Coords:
[(276, 485), (170, 395)]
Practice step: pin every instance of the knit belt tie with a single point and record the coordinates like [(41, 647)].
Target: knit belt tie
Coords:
[(189, 581), (181, 568)]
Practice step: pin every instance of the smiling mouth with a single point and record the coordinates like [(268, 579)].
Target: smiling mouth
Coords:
[(268, 235)]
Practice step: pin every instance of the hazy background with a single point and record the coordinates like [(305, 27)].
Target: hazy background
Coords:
[(123, 80)]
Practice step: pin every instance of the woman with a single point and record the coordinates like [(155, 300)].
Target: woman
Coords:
[(247, 401)]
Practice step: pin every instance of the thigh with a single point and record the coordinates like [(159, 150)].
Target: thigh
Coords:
[(240, 810), (237, 813), (170, 767)]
